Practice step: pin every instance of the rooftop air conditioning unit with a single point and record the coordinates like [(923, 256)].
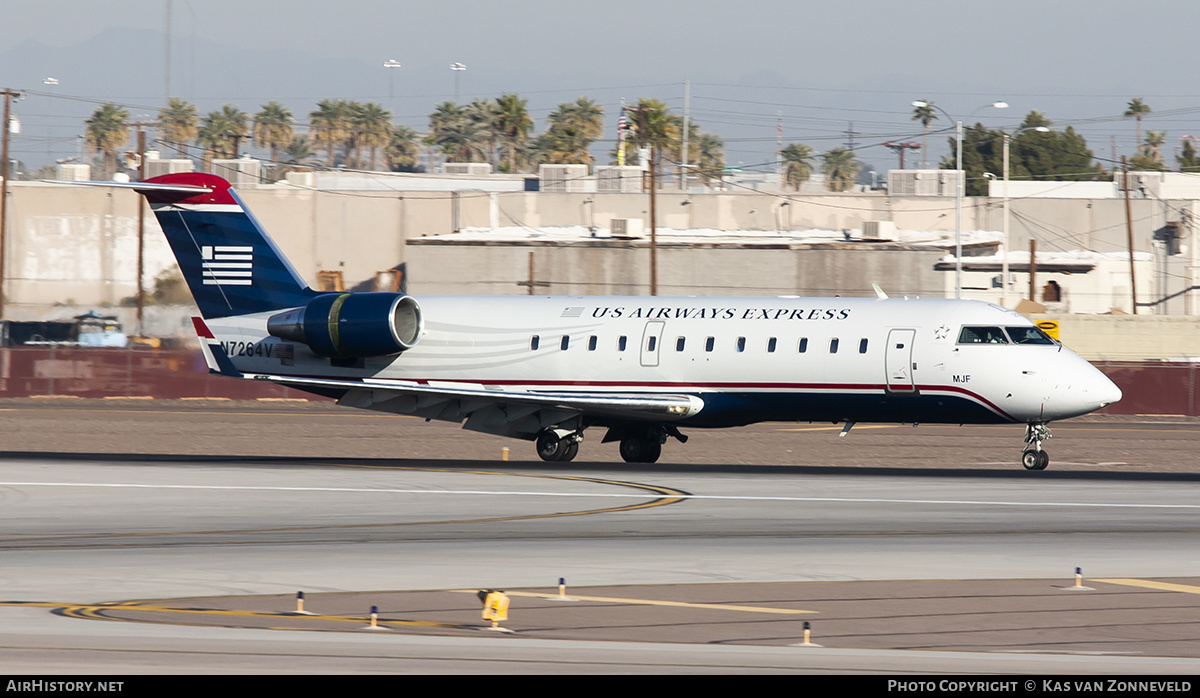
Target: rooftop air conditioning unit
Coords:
[(158, 168), (240, 172), (625, 179), (74, 172), (563, 178), (467, 168), (882, 231), (627, 227)]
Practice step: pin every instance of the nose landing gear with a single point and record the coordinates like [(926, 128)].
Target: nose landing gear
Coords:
[(1033, 457)]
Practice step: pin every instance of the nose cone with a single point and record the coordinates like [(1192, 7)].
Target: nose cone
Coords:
[(1075, 387), (1091, 390), (1107, 393)]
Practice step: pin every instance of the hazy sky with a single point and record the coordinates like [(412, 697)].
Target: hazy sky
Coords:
[(818, 66)]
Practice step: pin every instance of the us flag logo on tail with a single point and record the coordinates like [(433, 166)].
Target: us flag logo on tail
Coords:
[(227, 265)]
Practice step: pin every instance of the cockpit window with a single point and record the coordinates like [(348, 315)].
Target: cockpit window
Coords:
[(1028, 335), (981, 335)]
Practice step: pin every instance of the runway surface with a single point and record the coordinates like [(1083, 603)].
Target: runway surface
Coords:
[(202, 545)]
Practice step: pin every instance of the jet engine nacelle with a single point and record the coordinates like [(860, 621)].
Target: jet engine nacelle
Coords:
[(352, 324)]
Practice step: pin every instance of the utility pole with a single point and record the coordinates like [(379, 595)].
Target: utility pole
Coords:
[(653, 224), (851, 144), (141, 292), (779, 147), (167, 57), (1033, 270), (141, 257), (900, 148), (8, 95), (683, 149), (1129, 233)]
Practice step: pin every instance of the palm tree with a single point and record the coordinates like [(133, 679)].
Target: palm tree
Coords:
[(654, 125), (329, 125), (1136, 109), (513, 124), (840, 168), (798, 160), (213, 137), (459, 136), (401, 152), (177, 124), (371, 126), (221, 131), (926, 114), (710, 157), (1188, 159), (571, 129), (273, 127), (300, 152), (108, 130), (484, 115), (1154, 142)]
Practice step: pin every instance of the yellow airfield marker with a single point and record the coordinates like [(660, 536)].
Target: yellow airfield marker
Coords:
[(1079, 582)]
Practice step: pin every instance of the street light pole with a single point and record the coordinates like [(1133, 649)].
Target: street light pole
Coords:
[(958, 184), (391, 80), (1005, 241), (958, 201), (4, 173), (458, 68)]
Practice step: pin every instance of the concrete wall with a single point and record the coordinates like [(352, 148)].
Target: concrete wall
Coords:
[(622, 268), (1129, 338), (79, 243)]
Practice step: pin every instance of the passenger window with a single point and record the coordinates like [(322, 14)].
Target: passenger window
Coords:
[(1028, 335), (981, 335), (862, 346), (592, 343), (741, 344), (679, 344), (566, 342), (709, 343), (533, 342), (771, 345), (803, 345), (833, 345), (622, 341)]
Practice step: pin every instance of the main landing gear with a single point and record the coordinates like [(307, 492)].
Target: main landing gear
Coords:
[(1033, 457), (558, 444)]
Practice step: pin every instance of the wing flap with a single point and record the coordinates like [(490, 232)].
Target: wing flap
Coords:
[(499, 411)]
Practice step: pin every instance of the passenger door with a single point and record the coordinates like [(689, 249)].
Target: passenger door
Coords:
[(898, 361)]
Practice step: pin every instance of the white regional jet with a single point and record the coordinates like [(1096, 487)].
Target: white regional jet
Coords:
[(545, 369)]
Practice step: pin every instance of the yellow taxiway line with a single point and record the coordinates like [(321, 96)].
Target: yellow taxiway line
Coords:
[(654, 602), (1151, 584)]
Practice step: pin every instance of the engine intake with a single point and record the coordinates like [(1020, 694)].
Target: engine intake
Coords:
[(352, 324)]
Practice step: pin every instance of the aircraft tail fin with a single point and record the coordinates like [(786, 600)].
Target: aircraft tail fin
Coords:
[(230, 264)]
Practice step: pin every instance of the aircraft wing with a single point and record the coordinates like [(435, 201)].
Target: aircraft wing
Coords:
[(508, 412)]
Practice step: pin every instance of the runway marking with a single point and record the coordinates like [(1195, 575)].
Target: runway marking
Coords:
[(654, 602), (856, 426), (1150, 584), (96, 612), (675, 495), (666, 496)]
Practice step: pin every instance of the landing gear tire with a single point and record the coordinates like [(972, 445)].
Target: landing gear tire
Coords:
[(1035, 460), (550, 447), (640, 450), (1033, 457)]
